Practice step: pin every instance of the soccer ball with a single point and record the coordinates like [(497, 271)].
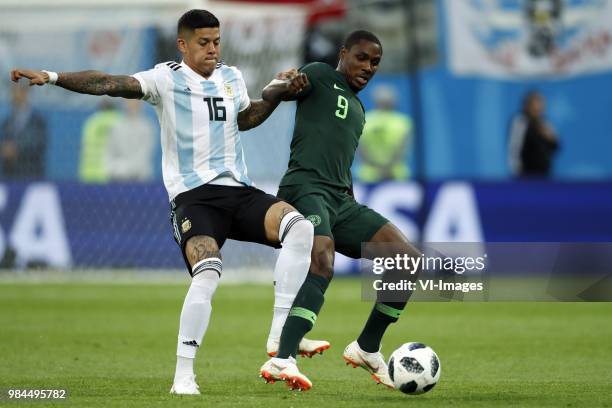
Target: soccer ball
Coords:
[(414, 368)]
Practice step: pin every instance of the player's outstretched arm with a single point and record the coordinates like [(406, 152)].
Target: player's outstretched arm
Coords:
[(287, 85), (85, 82)]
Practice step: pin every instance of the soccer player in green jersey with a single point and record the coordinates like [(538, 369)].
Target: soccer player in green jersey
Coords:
[(328, 123)]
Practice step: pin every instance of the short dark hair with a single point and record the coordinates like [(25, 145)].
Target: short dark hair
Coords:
[(196, 18), (358, 35)]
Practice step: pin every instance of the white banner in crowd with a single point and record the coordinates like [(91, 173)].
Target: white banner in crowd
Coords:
[(526, 38)]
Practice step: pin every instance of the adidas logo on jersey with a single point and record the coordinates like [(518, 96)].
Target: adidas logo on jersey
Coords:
[(173, 65)]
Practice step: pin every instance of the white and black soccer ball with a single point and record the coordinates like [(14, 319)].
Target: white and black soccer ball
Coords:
[(414, 368)]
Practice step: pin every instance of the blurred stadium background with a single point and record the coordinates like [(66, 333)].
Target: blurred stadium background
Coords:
[(458, 68)]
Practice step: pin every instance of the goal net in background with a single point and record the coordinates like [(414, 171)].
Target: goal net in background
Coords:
[(61, 219)]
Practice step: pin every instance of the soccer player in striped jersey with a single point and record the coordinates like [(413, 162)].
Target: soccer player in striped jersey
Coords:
[(201, 105)]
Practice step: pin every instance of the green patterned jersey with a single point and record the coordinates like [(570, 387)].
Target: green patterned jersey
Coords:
[(328, 123)]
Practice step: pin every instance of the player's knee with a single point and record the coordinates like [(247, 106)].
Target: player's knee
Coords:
[(407, 249), (322, 264), (300, 235), (393, 248), (322, 270), (201, 247), (402, 249)]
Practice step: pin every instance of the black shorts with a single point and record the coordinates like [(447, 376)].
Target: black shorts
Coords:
[(221, 212)]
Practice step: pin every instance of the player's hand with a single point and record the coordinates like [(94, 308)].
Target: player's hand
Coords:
[(36, 77), (285, 86), (287, 75), (298, 83)]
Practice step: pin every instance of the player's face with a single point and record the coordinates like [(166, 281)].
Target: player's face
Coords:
[(201, 49), (360, 63)]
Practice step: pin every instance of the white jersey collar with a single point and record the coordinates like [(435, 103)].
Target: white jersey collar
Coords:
[(198, 76)]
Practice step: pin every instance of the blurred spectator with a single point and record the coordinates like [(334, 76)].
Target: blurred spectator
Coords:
[(23, 139), (386, 141), (320, 46), (94, 143), (533, 141), (129, 156)]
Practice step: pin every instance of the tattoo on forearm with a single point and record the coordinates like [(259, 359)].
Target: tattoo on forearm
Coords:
[(201, 247), (256, 114), (100, 83)]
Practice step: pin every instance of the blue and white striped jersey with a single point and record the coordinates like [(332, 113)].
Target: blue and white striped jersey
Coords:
[(198, 120)]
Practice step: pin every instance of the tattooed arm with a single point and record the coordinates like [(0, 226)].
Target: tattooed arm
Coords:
[(86, 82), (99, 83), (257, 112)]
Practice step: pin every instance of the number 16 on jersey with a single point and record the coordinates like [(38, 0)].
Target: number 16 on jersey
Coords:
[(216, 110)]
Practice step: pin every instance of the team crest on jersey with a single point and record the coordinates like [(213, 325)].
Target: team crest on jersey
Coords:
[(229, 91), (314, 219), (185, 225)]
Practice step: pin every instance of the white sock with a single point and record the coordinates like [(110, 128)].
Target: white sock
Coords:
[(196, 313), (184, 367), (278, 321), (296, 235)]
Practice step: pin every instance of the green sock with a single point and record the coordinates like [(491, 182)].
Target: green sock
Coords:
[(382, 315), (302, 315)]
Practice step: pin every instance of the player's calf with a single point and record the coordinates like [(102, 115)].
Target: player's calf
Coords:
[(387, 242), (296, 235), (195, 315)]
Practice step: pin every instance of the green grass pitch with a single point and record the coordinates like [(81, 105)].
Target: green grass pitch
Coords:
[(114, 344)]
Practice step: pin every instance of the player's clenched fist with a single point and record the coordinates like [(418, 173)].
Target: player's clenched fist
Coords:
[(287, 75), (35, 77), (286, 86), (297, 81)]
